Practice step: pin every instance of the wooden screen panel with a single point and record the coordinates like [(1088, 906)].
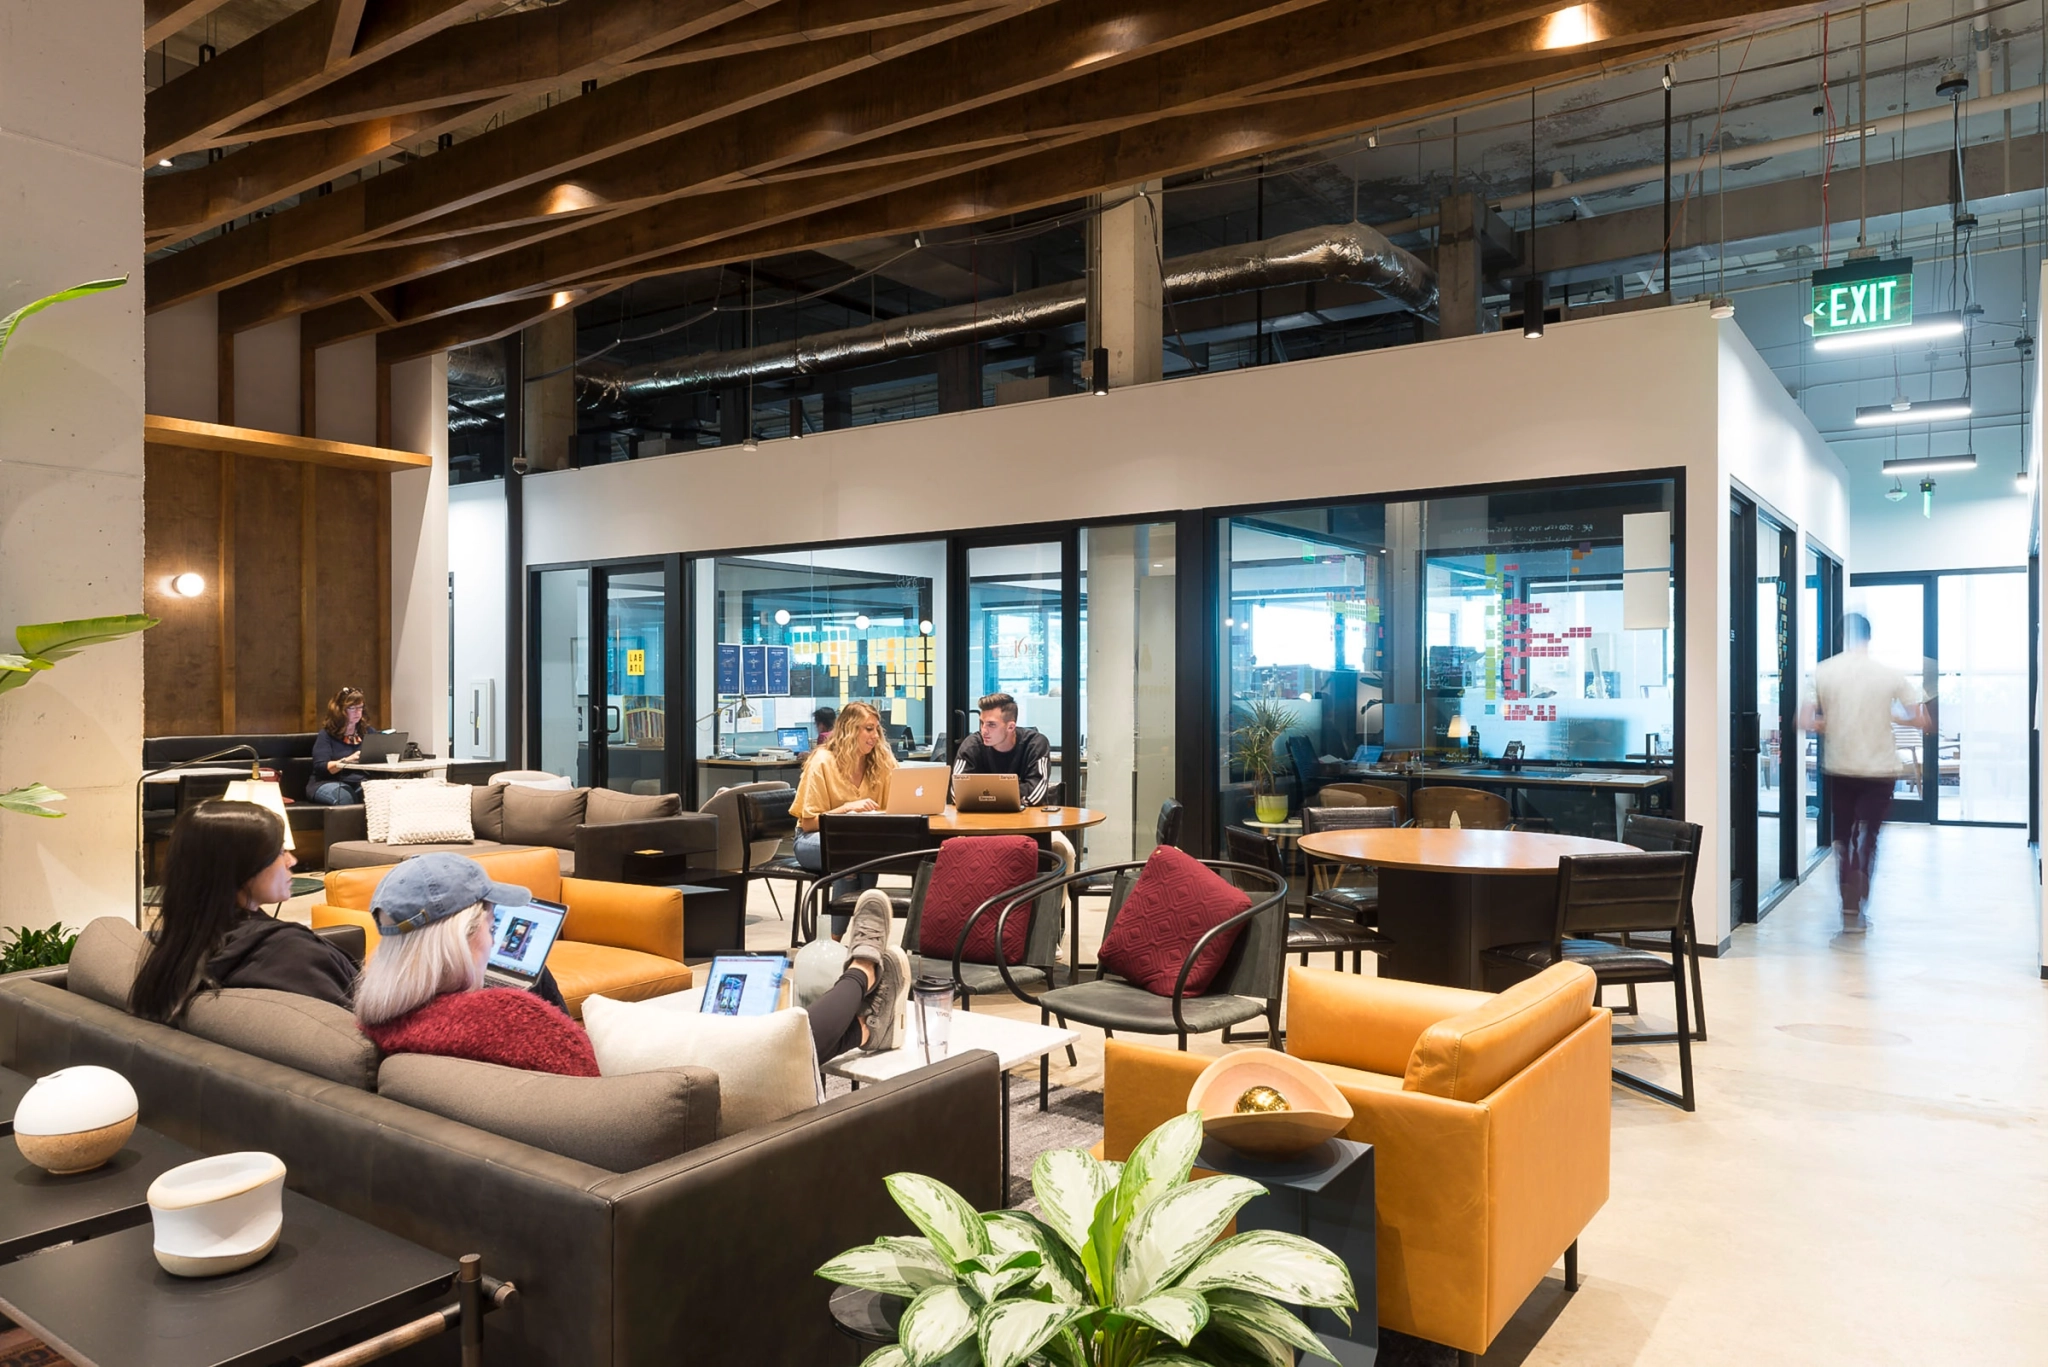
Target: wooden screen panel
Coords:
[(345, 540), (181, 655), (265, 546)]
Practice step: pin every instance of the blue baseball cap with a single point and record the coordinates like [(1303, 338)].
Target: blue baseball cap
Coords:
[(431, 887)]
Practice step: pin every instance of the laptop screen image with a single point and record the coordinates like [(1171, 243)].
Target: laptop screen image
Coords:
[(743, 984), (521, 937)]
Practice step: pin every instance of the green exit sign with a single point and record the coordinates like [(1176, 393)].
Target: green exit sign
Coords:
[(1864, 296)]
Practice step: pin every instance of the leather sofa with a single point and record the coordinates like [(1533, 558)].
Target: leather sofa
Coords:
[(705, 1257), (1488, 1115), (620, 939), (591, 830)]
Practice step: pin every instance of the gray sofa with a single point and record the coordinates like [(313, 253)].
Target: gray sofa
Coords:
[(704, 1255), (591, 829)]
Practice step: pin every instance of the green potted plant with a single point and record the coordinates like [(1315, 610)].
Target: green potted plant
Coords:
[(1124, 1270), (1254, 750)]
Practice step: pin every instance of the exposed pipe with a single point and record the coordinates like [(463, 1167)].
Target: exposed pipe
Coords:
[(1349, 252)]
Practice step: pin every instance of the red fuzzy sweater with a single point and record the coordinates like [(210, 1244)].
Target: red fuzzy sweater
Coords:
[(492, 1025)]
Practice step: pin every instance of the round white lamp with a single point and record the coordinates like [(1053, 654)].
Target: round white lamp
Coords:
[(75, 1119), (188, 585)]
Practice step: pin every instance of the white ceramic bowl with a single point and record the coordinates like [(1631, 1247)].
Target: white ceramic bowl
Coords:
[(217, 1215), (1316, 1109), (75, 1119)]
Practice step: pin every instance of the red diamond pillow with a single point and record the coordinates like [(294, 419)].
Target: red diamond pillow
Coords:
[(969, 871), (1175, 900)]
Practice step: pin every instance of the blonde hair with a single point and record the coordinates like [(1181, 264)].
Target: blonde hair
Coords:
[(844, 747), (412, 969)]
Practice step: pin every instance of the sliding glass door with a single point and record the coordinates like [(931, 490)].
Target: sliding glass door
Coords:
[(603, 698), (1020, 632)]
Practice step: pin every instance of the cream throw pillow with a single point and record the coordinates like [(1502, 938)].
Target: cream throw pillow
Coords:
[(430, 814), (377, 802), (765, 1064)]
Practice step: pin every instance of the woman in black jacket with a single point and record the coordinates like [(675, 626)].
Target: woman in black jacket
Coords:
[(227, 861), (339, 742)]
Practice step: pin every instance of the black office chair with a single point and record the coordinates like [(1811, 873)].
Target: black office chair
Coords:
[(1307, 934), (1663, 833), (1328, 893), (849, 839), (1600, 894), (1307, 767), (1098, 884), (765, 816)]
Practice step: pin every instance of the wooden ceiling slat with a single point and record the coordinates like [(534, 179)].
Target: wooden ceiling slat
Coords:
[(348, 23), (807, 21), (162, 18)]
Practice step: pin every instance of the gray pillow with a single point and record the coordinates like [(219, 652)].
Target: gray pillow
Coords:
[(606, 807), (104, 962), (542, 816), (615, 1123), (300, 1032), (487, 811)]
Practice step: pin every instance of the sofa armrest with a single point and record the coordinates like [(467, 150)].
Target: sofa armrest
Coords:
[(1142, 1089), (1368, 1023), (624, 916), (333, 921), (349, 939), (348, 822), (601, 850)]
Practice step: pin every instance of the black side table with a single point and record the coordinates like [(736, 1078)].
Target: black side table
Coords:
[(714, 903), (39, 1211), (13, 1087), (1326, 1195)]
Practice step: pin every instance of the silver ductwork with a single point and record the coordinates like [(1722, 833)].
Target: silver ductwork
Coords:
[(1348, 252)]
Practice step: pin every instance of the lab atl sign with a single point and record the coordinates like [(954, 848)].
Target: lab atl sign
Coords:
[(1863, 296)]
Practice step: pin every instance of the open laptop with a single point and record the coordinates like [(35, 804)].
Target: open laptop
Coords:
[(521, 938), (918, 790), (795, 739), (380, 746), (986, 793), (744, 984)]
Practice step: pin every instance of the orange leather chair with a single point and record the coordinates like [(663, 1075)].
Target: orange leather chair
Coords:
[(1488, 1116), (619, 939)]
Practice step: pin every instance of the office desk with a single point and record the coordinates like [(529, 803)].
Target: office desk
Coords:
[(728, 770), (1631, 789)]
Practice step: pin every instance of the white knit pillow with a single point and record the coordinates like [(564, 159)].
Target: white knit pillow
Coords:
[(430, 814), (377, 802)]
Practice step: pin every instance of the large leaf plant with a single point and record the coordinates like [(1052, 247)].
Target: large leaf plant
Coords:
[(1123, 1270), (44, 643)]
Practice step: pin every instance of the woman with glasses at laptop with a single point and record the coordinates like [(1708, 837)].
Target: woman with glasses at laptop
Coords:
[(849, 773), (339, 742), (227, 862)]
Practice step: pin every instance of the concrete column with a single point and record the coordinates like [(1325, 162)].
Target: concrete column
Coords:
[(960, 378), (1124, 297), (419, 555), (71, 404), (1460, 276), (551, 400)]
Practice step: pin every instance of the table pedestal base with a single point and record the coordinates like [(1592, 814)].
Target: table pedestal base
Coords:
[(1440, 923)]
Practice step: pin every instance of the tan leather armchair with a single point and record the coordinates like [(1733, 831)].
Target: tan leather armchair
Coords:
[(619, 939), (1488, 1115)]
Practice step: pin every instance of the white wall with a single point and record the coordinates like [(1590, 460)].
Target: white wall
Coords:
[(71, 404), (419, 555), (183, 374), (345, 392), (267, 378), (1980, 521), (476, 561)]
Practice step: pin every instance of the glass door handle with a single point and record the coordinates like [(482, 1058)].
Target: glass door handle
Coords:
[(612, 720)]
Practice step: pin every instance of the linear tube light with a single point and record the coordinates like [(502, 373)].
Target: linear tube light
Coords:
[(1933, 410), (1928, 465), (1919, 330)]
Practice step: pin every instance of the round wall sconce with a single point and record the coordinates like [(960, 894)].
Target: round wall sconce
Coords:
[(188, 585), (782, 617), (924, 627)]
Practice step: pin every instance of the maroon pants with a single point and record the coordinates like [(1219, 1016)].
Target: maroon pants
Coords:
[(1860, 806)]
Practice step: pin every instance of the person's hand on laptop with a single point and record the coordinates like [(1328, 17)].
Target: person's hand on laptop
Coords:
[(859, 804)]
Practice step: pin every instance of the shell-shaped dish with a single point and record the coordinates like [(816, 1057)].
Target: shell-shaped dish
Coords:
[(1315, 1110)]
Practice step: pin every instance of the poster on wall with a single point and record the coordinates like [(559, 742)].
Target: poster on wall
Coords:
[(777, 668), (728, 670), (753, 670)]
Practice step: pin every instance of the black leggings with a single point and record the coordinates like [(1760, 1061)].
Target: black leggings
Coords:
[(835, 1017)]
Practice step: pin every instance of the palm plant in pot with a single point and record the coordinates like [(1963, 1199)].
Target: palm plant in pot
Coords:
[(1123, 1270), (1254, 749)]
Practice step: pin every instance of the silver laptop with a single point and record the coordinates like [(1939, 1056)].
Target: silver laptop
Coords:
[(986, 793), (521, 938), (916, 790), (380, 746)]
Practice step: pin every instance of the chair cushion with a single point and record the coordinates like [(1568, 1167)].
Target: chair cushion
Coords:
[(1351, 903), (604, 807), (104, 962), (354, 884), (765, 1064), (1467, 1056), (372, 854), (969, 871), (542, 816), (430, 814), (300, 1032), (1610, 962), (487, 811), (616, 1123), (1175, 899), (583, 969), (1324, 935), (1108, 1004), (980, 980)]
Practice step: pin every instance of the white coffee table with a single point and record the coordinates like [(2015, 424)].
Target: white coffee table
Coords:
[(399, 768), (1013, 1042)]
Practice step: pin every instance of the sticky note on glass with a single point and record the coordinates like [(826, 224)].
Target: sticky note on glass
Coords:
[(1646, 541)]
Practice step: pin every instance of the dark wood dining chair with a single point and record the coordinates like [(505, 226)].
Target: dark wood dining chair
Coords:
[(1364, 795), (1308, 933), (1477, 809), (1347, 892), (1610, 894), (1647, 832)]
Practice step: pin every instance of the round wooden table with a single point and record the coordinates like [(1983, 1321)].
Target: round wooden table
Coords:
[(1038, 821), (1447, 896)]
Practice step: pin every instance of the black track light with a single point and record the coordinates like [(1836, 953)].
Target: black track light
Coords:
[(1099, 370), (1532, 307)]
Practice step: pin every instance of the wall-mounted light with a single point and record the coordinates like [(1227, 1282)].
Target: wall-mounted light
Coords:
[(1921, 465), (782, 617), (188, 585), (1933, 410)]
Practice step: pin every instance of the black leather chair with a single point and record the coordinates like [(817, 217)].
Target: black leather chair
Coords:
[(764, 816), (1165, 832), (1663, 833), (1602, 894), (1308, 934), (1328, 893), (847, 844)]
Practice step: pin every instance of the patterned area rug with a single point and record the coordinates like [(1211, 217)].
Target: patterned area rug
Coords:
[(19, 1348)]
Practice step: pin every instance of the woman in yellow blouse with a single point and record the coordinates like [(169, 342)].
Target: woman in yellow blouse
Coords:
[(850, 773)]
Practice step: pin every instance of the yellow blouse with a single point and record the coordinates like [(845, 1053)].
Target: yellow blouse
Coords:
[(825, 785)]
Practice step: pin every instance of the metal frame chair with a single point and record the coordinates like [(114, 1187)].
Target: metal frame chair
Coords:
[(1165, 832), (1307, 934), (847, 844), (1477, 809), (764, 815), (1365, 795), (1355, 902), (1664, 833), (1602, 894)]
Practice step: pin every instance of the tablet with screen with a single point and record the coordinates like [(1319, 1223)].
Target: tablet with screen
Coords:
[(744, 984), (520, 940)]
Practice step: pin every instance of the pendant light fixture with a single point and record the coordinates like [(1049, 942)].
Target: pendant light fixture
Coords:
[(1532, 288)]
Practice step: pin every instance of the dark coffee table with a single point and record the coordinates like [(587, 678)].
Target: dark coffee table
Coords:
[(39, 1211), (104, 1302), (13, 1087)]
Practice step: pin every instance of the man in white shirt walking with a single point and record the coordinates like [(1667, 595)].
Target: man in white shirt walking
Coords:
[(1855, 701)]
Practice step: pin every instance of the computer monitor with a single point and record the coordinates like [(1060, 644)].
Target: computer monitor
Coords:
[(796, 738)]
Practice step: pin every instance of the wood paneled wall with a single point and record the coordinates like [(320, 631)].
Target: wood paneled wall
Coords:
[(295, 605)]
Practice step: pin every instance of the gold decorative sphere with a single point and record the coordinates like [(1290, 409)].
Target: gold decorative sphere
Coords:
[(1261, 1099)]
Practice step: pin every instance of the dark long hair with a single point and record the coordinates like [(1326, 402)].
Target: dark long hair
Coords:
[(337, 711), (216, 847)]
